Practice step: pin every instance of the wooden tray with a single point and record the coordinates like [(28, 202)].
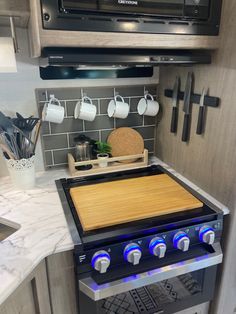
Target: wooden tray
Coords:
[(111, 203), (114, 164)]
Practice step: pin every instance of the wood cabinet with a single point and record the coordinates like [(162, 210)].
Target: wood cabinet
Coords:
[(31, 297), (40, 38), (61, 281), (49, 289), (19, 9)]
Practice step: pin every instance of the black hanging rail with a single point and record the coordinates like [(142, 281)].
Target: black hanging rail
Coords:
[(195, 98)]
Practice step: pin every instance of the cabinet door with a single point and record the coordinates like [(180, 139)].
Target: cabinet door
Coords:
[(17, 8), (22, 301), (31, 297), (61, 279)]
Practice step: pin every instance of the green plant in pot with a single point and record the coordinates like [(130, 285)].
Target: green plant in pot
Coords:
[(103, 151)]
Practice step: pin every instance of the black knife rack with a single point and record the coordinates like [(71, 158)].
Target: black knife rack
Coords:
[(195, 98)]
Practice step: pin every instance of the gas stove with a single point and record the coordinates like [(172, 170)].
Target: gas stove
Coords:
[(138, 243), (137, 253)]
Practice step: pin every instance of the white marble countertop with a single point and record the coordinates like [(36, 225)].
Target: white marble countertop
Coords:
[(42, 227)]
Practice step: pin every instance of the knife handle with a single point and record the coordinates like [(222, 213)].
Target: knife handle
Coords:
[(186, 128), (200, 120), (174, 120)]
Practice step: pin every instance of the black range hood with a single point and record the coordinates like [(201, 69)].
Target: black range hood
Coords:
[(95, 63), (82, 57)]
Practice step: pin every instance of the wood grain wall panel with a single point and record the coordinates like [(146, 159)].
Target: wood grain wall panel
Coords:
[(209, 160)]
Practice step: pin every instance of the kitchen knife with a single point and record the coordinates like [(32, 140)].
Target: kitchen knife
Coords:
[(200, 121), (186, 109), (174, 118)]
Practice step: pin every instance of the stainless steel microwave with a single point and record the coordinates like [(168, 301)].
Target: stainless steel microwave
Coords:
[(192, 17)]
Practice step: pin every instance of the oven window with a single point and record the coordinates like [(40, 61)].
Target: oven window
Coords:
[(162, 296), (83, 5), (150, 7)]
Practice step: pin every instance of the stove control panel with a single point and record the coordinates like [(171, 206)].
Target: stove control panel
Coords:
[(207, 235), (132, 253), (157, 247), (181, 241)]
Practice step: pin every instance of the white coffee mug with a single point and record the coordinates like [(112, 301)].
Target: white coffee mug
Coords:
[(118, 108), (85, 109), (53, 111), (148, 106)]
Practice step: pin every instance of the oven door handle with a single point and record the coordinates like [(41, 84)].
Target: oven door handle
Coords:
[(98, 292)]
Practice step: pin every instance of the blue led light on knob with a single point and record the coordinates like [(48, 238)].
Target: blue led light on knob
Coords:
[(181, 241), (207, 235), (132, 253), (101, 261), (157, 247)]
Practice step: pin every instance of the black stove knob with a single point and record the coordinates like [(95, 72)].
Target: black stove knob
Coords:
[(101, 261), (157, 247), (181, 241), (132, 253)]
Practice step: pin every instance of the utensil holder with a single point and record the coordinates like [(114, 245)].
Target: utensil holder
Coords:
[(22, 172)]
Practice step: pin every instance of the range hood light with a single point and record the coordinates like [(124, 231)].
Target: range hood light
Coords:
[(100, 67), (109, 58)]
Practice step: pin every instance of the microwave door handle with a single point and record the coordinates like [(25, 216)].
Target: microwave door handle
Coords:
[(97, 292)]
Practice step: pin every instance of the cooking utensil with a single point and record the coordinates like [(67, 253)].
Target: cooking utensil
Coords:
[(25, 124), (7, 151), (36, 135), (125, 142), (174, 117), (17, 140), (9, 127), (186, 109), (201, 113), (7, 134)]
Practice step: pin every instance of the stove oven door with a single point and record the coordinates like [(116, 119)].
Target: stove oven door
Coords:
[(164, 290)]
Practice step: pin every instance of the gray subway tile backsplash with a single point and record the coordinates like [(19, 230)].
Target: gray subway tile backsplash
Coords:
[(149, 120), (99, 92), (55, 142), (60, 156), (103, 105), (149, 145), (70, 107), (147, 132), (68, 125), (45, 129), (100, 122), (134, 104), (58, 139), (64, 93), (133, 119), (105, 134), (127, 91), (48, 158)]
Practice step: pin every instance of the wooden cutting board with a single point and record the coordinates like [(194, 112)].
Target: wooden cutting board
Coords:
[(111, 203), (125, 142)]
